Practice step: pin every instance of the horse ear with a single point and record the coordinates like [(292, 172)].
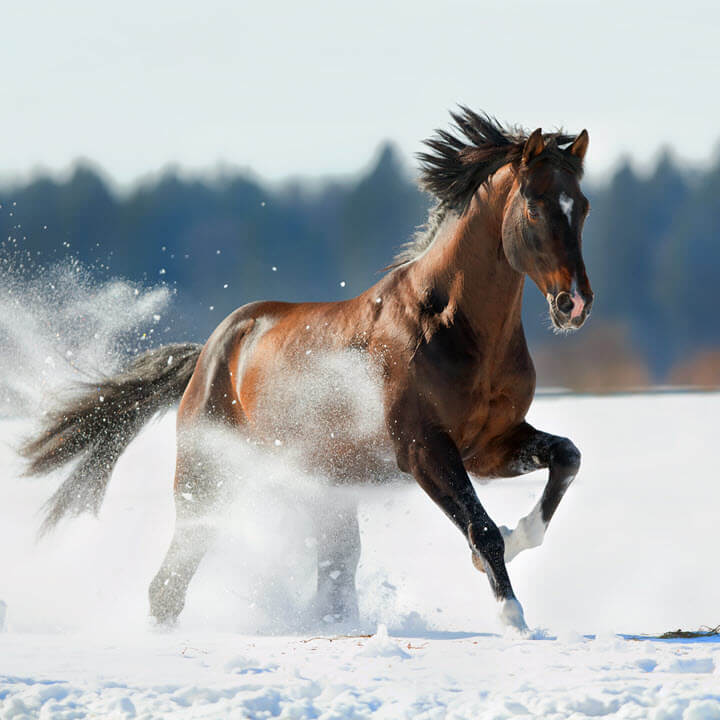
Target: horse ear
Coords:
[(534, 145), (580, 146)]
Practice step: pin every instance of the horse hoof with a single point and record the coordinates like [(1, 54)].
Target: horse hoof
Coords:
[(162, 624), (512, 615)]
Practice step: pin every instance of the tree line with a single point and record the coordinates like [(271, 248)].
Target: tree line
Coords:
[(651, 246)]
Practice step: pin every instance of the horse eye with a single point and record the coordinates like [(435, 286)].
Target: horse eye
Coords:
[(532, 211)]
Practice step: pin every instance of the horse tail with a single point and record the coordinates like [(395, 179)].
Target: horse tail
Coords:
[(96, 425)]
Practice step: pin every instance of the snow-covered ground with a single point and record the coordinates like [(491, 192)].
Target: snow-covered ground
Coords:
[(632, 549)]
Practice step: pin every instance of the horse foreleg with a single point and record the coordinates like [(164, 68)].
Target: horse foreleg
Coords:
[(338, 554), (528, 449), (436, 464)]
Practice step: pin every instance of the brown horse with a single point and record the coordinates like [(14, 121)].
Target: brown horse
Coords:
[(436, 348)]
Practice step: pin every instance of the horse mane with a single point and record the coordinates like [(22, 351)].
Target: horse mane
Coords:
[(464, 158), (422, 238)]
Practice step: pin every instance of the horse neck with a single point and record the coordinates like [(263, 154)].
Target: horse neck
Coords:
[(467, 265)]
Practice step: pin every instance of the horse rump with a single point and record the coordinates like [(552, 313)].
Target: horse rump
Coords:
[(97, 423)]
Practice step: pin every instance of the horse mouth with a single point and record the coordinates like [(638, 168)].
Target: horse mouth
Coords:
[(563, 325)]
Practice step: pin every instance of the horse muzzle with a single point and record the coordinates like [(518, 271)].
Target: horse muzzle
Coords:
[(569, 310)]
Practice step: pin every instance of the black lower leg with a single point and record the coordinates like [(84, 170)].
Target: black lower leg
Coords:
[(488, 546), (439, 470), (528, 449), (564, 464)]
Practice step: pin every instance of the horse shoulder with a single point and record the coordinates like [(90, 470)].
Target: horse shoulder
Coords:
[(504, 408), (515, 377)]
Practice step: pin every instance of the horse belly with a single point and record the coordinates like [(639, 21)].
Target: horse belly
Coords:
[(326, 407)]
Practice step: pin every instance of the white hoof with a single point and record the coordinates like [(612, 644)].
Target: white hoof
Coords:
[(512, 615)]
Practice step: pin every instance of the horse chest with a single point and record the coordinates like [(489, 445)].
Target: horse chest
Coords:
[(488, 404)]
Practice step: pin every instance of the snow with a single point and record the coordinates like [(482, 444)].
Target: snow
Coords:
[(631, 550), (381, 646), (437, 676)]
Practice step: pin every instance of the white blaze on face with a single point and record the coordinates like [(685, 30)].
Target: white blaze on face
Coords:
[(566, 205)]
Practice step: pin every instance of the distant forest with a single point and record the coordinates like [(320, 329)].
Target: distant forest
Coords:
[(651, 246)]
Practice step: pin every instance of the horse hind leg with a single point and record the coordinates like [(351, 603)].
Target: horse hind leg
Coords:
[(338, 554), (169, 586), (210, 399), (196, 503)]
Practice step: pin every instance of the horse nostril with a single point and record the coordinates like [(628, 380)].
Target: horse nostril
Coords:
[(564, 303)]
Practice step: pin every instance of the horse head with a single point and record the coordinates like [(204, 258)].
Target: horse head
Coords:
[(543, 223)]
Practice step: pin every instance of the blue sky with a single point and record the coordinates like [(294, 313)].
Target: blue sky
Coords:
[(312, 88)]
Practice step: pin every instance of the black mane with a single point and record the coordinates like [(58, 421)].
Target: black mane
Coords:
[(464, 158)]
